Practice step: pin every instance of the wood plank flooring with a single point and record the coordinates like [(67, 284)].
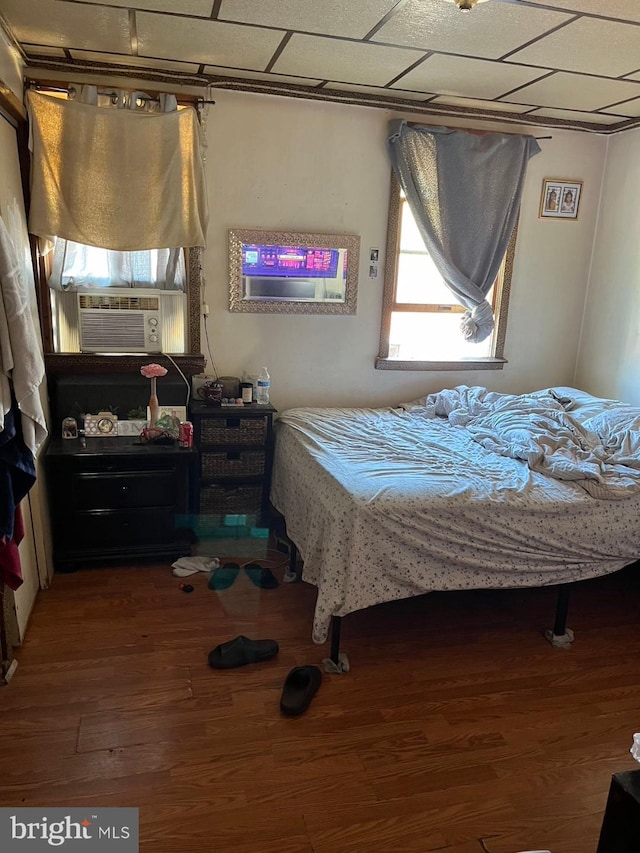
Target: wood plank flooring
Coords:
[(459, 729)]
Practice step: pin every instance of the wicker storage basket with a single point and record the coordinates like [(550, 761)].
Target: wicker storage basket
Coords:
[(228, 501), (241, 463), (233, 430)]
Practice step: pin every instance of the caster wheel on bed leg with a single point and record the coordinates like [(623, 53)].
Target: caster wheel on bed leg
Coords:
[(561, 641), (339, 668)]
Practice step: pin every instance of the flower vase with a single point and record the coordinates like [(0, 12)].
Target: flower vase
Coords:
[(154, 406)]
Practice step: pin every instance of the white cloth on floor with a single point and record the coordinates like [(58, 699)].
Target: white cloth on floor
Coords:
[(185, 566)]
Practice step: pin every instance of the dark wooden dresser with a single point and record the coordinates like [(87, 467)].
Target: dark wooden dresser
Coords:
[(116, 499)]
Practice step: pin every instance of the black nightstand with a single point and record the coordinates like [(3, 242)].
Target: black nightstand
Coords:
[(236, 452), (115, 499)]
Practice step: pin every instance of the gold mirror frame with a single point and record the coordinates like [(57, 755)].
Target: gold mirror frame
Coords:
[(283, 305)]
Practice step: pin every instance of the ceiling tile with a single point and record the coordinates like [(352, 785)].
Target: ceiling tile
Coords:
[(472, 78), (259, 75), (208, 42), (43, 50), (625, 10), (353, 62), (202, 8), (631, 108), (575, 91), (576, 115), (490, 31), (589, 45), (475, 104), (635, 76), (135, 61), (68, 24), (377, 90), (332, 17)]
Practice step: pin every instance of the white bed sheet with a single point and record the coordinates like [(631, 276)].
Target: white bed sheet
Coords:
[(385, 504)]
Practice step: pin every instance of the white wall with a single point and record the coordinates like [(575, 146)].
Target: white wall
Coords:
[(609, 357), (278, 163)]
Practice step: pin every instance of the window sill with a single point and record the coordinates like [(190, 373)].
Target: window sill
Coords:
[(488, 363)]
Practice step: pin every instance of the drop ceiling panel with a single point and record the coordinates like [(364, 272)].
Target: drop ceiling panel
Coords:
[(182, 7), (332, 17), (257, 75), (589, 45), (475, 104), (68, 24), (373, 90), (630, 109), (575, 91), (135, 61), (207, 42), (353, 62), (625, 10), (473, 78), (575, 115), (43, 50), (490, 31)]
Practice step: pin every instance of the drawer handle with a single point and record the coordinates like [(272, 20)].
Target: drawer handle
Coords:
[(124, 488)]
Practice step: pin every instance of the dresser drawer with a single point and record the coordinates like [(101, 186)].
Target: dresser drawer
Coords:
[(233, 430), (226, 500), (104, 528), (106, 490), (230, 463)]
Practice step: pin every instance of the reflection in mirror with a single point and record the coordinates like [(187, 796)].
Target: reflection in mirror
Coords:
[(290, 272)]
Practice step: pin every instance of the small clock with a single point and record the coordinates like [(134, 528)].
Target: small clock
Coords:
[(104, 424)]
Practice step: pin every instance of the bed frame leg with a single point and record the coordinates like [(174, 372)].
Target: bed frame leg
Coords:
[(338, 663), (292, 575), (561, 637), (336, 625)]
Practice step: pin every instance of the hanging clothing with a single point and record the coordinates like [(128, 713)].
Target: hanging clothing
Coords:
[(21, 362)]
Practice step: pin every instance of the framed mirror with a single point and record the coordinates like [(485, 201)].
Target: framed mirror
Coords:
[(290, 272)]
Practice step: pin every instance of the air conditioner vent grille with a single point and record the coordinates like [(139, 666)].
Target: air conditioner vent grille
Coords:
[(108, 332), (119, 303)]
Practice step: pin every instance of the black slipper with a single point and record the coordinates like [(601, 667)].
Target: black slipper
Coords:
[(223, 577), (300, 686), (264, 578), (242, 651)]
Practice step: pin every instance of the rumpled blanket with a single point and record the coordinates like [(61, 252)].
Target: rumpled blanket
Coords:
[(539, 430)]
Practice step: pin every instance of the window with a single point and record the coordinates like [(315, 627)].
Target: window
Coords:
[(421, 317)]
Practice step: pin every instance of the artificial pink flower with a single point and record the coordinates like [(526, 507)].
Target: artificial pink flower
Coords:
[(150, 371)]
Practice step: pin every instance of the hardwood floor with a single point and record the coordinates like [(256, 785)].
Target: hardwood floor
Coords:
[(459, 728)]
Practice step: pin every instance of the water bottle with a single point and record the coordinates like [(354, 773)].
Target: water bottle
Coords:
[(264, 383)]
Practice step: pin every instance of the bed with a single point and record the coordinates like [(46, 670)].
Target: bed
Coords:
[(463, 489)]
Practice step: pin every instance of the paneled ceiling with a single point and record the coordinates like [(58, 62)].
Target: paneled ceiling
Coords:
[(572, 63)]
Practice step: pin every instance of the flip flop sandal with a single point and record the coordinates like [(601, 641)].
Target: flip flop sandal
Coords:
[(300, 686), (259, 576), (242, 651), (223, 577)]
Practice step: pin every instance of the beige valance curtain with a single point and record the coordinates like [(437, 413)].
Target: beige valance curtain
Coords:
[(118, 179)]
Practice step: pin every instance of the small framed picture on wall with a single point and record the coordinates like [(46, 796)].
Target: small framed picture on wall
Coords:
[(560, 199)]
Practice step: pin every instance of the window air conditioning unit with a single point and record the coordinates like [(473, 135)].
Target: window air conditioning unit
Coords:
[(128, 320)]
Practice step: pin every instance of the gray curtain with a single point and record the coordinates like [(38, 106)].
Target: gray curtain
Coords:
[(464, 190)]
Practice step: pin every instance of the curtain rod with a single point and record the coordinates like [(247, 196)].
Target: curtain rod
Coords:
[(112, 94)]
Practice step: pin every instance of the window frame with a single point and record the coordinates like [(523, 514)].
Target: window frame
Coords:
[(501, 302)]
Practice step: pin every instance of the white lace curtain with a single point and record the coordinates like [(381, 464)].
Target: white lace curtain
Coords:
[(123, 173)]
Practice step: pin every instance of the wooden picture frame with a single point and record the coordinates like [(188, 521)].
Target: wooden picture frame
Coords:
[(560, 199)]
